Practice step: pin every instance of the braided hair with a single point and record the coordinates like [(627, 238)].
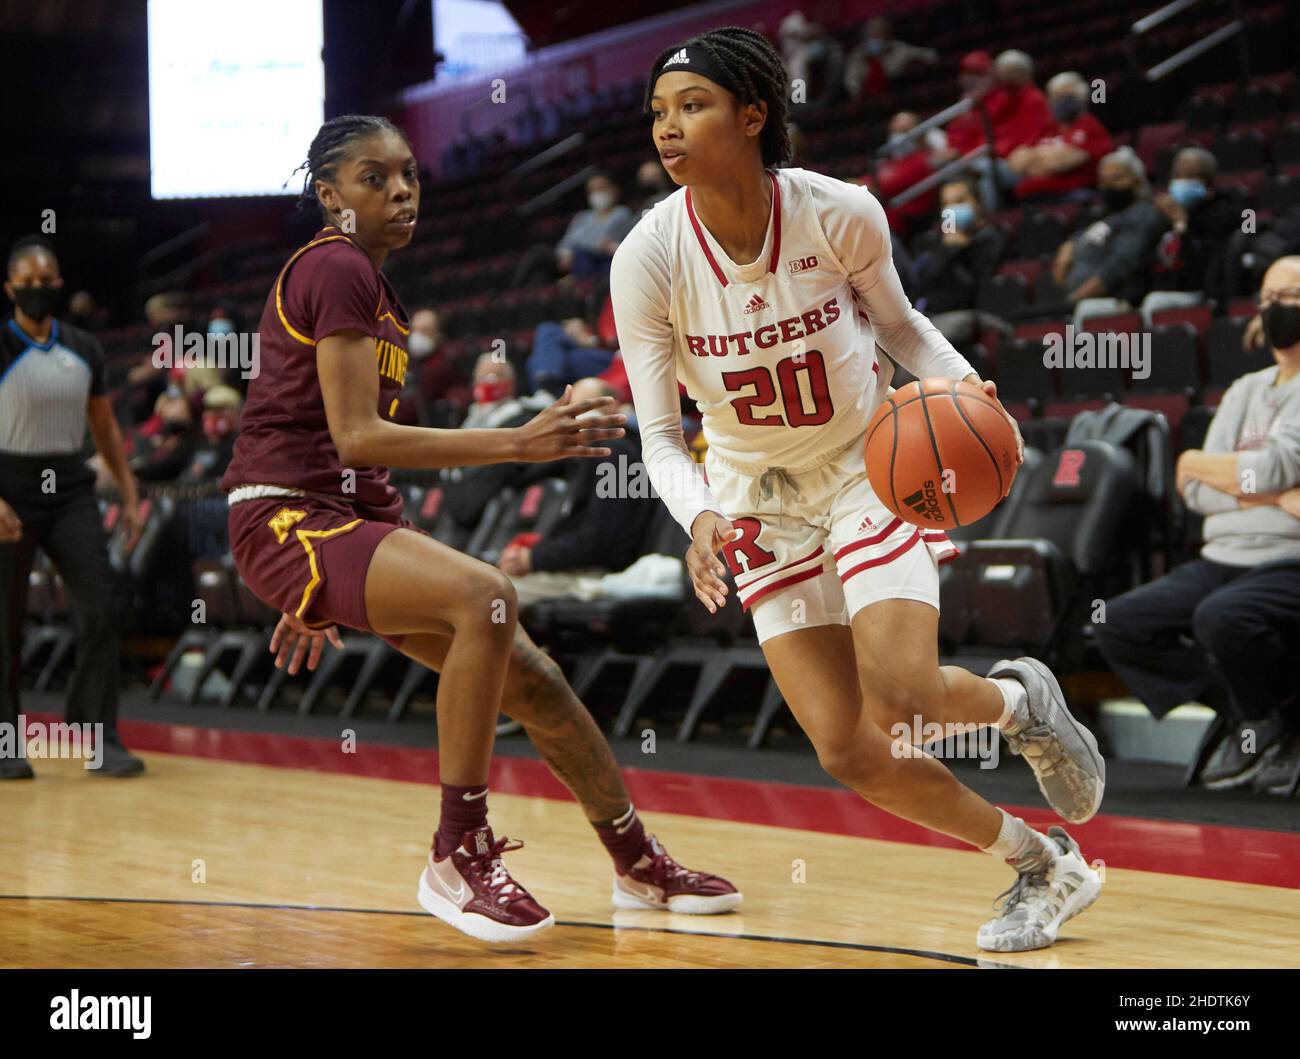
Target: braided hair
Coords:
[(334, 143), (755, 67)]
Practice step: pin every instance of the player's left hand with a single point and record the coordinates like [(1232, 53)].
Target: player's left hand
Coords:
[(292, 640), (991, 388)]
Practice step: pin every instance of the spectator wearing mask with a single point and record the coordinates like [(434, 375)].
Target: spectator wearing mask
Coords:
[(164, 455), (813, 59), (1224, 629), (467, 490), (435, 388), (220, 424), (653, 183), (589, 242), (594, 233), (966, 249), (880, 60), (563, 353), (1062, 163), (601, 528), (899, 171), (1191, 257), (1103, 268)]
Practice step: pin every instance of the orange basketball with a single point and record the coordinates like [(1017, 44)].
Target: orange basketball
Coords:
[(940, 453)]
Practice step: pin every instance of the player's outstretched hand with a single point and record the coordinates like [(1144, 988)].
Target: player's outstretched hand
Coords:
[(991, 388), (709, 532), (292, 640), (556, 432)]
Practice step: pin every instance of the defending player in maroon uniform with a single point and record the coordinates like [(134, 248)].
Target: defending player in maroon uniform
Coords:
[(317, 532)]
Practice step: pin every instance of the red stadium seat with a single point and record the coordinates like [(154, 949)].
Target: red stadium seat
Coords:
[(1199, 316)]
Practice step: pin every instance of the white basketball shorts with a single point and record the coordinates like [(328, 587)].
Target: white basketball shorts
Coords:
[(816, 547)]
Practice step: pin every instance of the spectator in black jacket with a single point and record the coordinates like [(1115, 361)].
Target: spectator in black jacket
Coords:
[(604, 521), (966, 248), (1191, 256), (952, 260)]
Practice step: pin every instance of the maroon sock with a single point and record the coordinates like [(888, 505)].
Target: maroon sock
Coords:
[(624, 837), (459, 814)]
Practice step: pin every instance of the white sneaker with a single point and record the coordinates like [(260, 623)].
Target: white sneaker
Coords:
[(1063, 753), (1043, 897)]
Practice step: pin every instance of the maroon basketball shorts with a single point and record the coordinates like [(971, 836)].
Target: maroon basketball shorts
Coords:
[(308, 557)]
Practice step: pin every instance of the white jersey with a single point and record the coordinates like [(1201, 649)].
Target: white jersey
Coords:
[(779, 354)]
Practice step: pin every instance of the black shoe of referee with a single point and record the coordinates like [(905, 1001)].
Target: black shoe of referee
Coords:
[(118, 761), (14, 768)]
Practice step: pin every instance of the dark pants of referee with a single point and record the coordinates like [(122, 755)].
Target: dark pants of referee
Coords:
[(1207, 632), (66, 525)]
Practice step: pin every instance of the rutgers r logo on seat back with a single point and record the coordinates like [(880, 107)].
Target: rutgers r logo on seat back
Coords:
[(1067, 467)]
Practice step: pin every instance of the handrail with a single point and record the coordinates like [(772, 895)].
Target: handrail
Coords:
[(1161, 16), (1235, 28), (939, 176), (557, 191), (1193, 50), (921, 128), (164, 248), (547, 155)]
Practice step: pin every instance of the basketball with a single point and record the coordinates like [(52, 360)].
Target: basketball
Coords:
[(940, 453)]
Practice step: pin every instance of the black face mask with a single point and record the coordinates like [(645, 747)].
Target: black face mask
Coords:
[(37, 302), (1281, 325), (1116, 199)]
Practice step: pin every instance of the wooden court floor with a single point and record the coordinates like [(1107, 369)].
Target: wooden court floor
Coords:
[(216, 863)]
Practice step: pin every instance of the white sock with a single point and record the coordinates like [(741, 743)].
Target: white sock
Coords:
[(1014, 699), (1017, 840)]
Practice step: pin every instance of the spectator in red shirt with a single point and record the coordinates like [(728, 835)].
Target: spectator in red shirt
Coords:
[(1065, 157), (880, 59), (897, 173)]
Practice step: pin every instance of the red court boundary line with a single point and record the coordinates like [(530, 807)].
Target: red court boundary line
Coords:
[(1208, 851)]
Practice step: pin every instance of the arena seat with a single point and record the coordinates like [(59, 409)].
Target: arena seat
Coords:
[(1021, 374), (1026, 589), (1175, 360), (1002, 295)]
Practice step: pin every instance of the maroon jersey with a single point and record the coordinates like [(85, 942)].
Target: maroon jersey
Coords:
[(326, 287)]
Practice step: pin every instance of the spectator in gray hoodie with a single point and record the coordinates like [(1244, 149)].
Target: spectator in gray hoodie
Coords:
[(1225, 628)]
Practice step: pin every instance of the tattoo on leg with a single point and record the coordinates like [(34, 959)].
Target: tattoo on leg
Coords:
[(566, 736)]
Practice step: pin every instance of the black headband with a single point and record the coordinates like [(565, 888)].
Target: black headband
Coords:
[(695, 60)]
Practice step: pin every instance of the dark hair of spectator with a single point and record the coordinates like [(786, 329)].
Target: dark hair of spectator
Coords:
[(334, 143), (757, 70)]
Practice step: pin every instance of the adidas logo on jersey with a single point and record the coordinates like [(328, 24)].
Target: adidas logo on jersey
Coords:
[(756, 304), (678, 57), (925, 502), (866, 524), (803, 264)]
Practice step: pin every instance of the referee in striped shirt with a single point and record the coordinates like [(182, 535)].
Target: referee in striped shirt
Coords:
[(51, 389)]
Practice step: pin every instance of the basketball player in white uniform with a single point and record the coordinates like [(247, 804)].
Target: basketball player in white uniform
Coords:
[(768, 291)]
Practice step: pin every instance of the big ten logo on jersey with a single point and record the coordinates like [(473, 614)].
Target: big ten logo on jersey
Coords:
[(743, 553), (392, 360), (766, 336), (802, 264)]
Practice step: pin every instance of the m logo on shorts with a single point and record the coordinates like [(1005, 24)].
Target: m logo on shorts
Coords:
[(283, 521)]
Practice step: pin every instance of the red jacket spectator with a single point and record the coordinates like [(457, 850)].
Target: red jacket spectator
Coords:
[(1085, 132)]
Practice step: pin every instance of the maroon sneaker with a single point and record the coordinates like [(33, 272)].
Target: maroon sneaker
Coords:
[(472, 891), (658, 881)]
